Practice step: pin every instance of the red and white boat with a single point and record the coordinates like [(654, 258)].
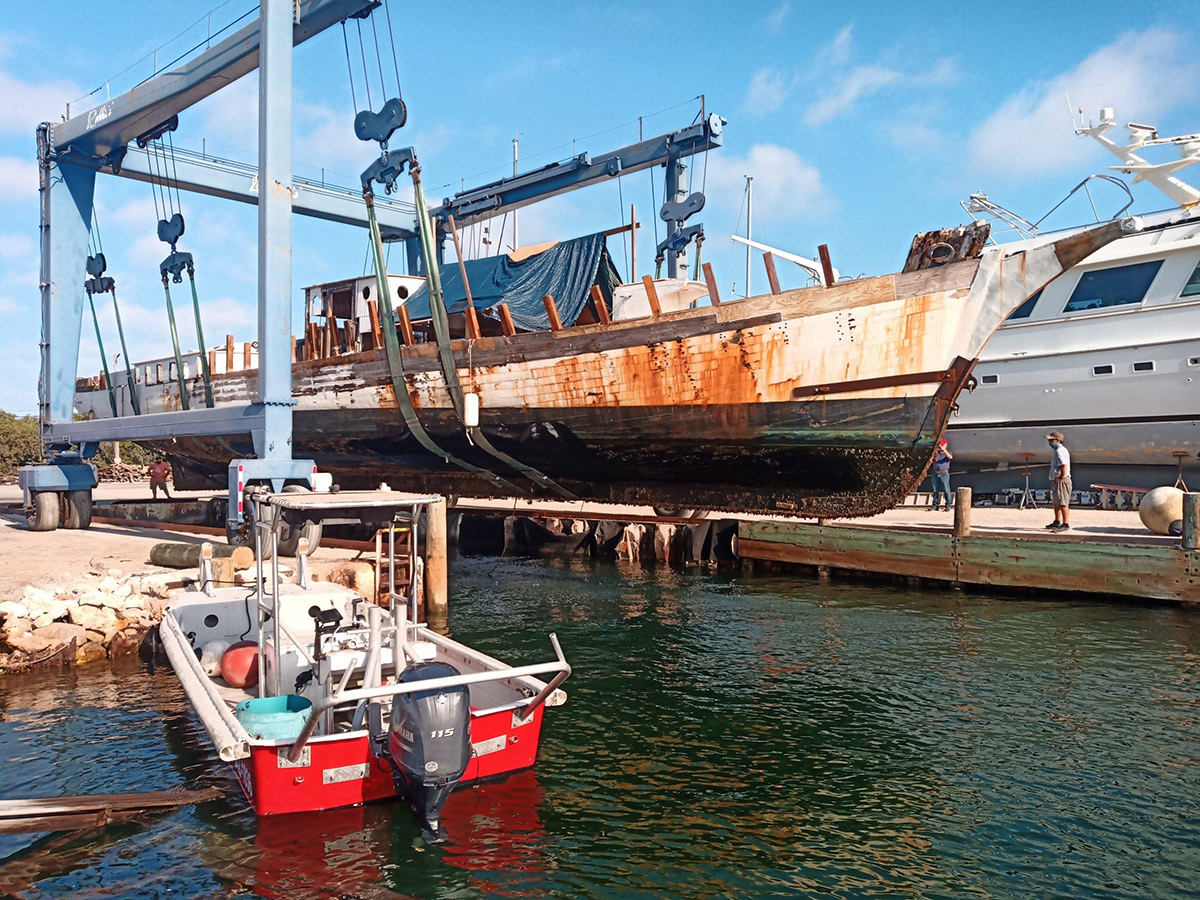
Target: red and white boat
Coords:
[(353, 701)]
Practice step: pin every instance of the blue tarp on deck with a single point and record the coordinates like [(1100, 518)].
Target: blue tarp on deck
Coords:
[(566, 271)]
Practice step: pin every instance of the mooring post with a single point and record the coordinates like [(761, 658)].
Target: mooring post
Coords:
[(1191, 521), (962, 512), (437, 596)]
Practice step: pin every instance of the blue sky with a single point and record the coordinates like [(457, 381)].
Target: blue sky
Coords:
[(861, 124)]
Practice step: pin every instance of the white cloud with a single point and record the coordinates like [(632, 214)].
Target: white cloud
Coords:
[(18, 178), (1141, 74), (786, 187), (837, 51), (864, 81), (774, 19), (17, 246), (767, 91), (28, 103), (914, 131)]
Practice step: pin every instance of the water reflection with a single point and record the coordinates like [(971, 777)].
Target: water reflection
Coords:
[(724, 736)]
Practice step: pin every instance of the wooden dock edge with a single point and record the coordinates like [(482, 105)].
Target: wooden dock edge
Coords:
[(1160, 574)]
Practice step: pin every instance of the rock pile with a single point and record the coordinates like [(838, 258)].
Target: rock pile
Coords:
[(107, 615), (121, 472)]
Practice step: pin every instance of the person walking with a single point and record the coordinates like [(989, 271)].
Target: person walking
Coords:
[(1060, 482), (941, 474), (160, 471)]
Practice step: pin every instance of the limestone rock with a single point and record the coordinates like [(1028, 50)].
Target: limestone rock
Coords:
[(89, 653), (63, 633), (93, 618), (11, 609), (107, 584), (115, 573), (36, 598)]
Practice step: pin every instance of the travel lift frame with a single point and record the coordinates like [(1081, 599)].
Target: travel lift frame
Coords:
[(70, 154)]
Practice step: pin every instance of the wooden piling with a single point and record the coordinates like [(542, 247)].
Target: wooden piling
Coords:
[(714, 295), (598, 303), (229, 359), (1191, 521), (246, 348), (293, 350), (962, 512), (506, 320), (826, 264), (772, 275), (437, 594), (652, 295), (552, 312)]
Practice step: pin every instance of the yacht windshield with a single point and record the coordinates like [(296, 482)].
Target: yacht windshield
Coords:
[(1192, 288), (1117, 286)]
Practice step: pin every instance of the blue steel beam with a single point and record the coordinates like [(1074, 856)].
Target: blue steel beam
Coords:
[(517, 191), (232, 180), (115, 123)]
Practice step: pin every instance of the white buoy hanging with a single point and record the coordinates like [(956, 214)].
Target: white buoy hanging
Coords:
[(471, 409)]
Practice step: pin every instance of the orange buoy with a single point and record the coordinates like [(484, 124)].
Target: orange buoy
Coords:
[(239, 664)]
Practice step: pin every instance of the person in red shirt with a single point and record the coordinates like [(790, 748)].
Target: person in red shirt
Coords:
[(160, 471)]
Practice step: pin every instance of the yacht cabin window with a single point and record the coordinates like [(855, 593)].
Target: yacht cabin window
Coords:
[(1192, 288), (1023, 311), (1118, 286)]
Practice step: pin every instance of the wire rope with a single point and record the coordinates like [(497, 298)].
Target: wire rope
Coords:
[(362, 51), (378, 59), (349, 68), (392, 37)]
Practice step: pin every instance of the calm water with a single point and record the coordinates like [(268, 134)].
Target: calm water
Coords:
[(725, 737)]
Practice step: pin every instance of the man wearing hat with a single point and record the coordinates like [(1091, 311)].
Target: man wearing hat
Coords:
[(941, 474), (1060, 482)]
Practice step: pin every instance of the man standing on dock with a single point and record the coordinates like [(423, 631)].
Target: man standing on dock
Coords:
[(1060, 482), (941, 474), (160, 471)]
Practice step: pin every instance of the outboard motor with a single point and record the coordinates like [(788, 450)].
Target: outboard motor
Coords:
[(430, 741)]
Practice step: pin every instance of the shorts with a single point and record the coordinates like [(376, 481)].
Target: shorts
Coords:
[(1061, 491)]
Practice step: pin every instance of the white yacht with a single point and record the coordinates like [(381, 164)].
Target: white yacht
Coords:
[(1108, 354)]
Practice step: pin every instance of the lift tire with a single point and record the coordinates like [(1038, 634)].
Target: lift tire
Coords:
[(44, 511), (289, 537), (76, 509)]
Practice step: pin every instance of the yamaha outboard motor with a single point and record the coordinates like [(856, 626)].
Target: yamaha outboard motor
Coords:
[(430, 741)]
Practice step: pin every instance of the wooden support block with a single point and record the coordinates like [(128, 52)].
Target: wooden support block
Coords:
[(229, 353), (212, 360), (962, 512), (1191, 521), (472, 322), (552, 312), (714, 295), (826, 264), (312, 346), (599, 305), (406, 331), (246, 354), (506, 321), (772, 275), (293, 349), (652, 295), (376, 333), (103, 382)]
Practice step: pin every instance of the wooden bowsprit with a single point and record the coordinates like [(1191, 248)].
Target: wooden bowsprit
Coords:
[(91, 811)]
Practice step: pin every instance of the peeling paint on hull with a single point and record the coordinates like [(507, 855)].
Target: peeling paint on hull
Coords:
[(823, 402)]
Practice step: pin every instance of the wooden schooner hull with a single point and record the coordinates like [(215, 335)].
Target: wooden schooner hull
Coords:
[(818, 402)]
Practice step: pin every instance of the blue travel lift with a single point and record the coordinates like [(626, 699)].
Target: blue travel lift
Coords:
[(58, 491)]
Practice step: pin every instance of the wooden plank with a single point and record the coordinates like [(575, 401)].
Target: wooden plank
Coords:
[(772, 275), (472, 323), (652, 295), (552, 312), (229, 366), (634, 226), (212, 357), (506, 320), (710, 279), (376, 333), (49, 806), (1191, 521), (887, 552), (406, 329), (246, 347), (293, 350), (599, 305), (826, 264)]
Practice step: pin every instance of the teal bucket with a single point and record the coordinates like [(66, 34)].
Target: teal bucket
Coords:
[(274, 718)]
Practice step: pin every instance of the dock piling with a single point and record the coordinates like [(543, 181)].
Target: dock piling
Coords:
[(436, 577), (1191, 521), (962, 512)]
